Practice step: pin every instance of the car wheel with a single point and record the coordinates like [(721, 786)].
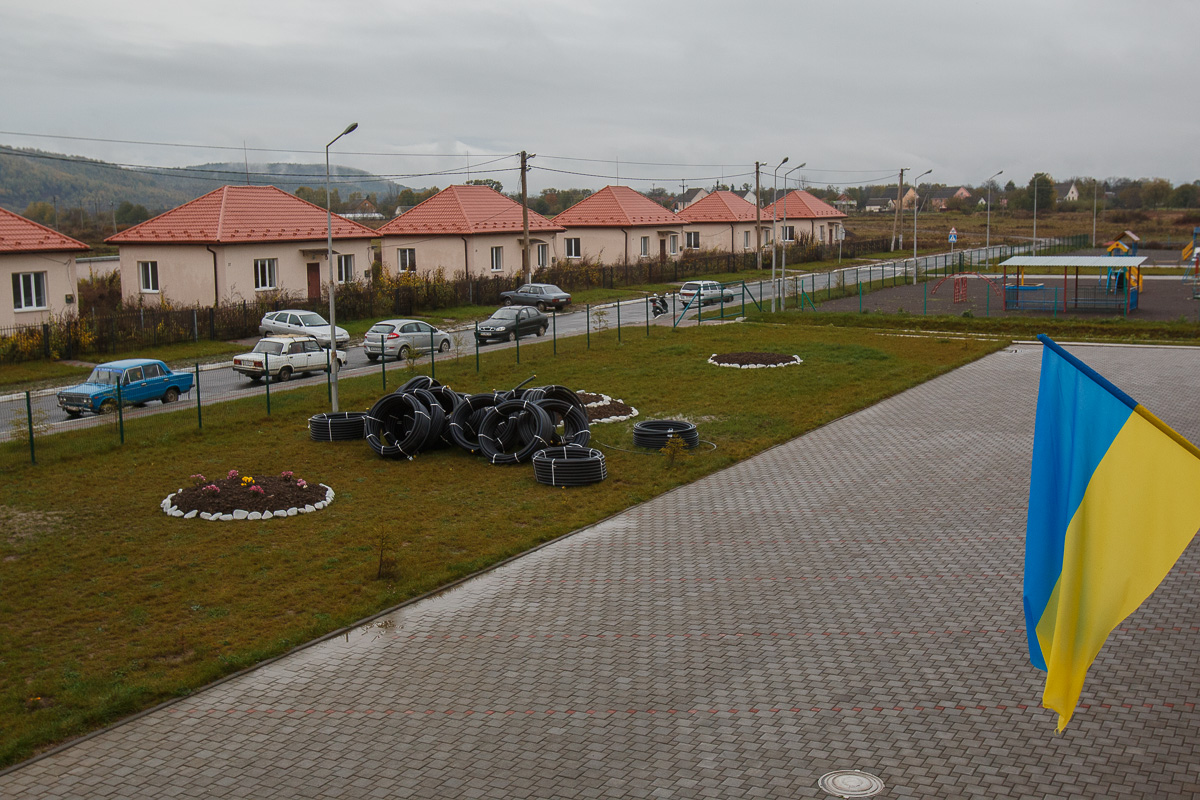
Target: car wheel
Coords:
[(541, 306), (445, 346), (372, 356), (541, 331), (171, 396), (507, 337), (403, 353), (285, 374), (508, 301), (109, 406), (256, 378)]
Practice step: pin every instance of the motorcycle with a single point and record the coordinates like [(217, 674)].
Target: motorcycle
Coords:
[(658, 305)]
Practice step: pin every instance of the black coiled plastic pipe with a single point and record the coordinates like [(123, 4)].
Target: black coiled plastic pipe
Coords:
[(531, 424), (397, 425), (569, 466), (654, 433), (344, 426)]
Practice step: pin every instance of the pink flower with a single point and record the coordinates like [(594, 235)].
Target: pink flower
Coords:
[(212, 488), (233, 473), (301, 483), (287, 474), (199, 480), (257, 489)]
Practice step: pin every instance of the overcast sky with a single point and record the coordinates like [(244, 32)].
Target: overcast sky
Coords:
[(694, 91)]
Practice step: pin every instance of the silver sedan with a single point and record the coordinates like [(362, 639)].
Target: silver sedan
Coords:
[(400, 338)]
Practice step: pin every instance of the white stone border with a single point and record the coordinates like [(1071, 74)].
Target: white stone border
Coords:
[(755, 366), (605, 400), (170, 509)]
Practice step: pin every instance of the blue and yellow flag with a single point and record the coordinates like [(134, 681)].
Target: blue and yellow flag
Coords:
[(1114, 499)]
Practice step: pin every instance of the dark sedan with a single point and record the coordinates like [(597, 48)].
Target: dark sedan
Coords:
[(539, 295), (521, 320)]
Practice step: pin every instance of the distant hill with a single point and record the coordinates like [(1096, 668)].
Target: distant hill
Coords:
[(28, 176)]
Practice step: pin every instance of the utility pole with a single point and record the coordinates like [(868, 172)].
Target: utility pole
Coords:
[(757, 217), (525, 271), (899, 205)]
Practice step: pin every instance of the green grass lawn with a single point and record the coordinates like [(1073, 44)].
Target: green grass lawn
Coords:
[(109, 606)]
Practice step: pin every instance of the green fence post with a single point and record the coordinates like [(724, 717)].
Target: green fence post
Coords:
[(29, 418), (618, 321), (860, 298), (647, 317), (432, 357), (199, 412), (267, 378), (554, 330), (477, 347), (517, 336), (925, 308), (382, 364), (120, 412)]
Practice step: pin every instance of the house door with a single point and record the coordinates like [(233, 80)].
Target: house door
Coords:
[(662, 249), (314, 281)]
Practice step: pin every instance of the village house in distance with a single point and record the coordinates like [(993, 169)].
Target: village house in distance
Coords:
[(40, 265), (238, 242)]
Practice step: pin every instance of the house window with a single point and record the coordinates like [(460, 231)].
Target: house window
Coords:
[(497, 259), (345, 267), (789, 233), (673, 243), (573, 249), (745, 240), (29, 291), (148, 275), (822, 234), (645, 246), (691, 240), (264, 272), (543, 255), (406, 257)]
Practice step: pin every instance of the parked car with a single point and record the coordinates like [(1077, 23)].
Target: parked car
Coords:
[(399, 338), (709, 291), (284, 356), (305, 323), (539, 295), (137, 380), (521, 320)]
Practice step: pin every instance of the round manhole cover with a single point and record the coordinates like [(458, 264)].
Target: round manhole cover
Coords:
[(850, 783)]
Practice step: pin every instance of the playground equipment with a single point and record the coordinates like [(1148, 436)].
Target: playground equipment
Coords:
[(1192, 253), (1125, 245), (1116, 289), (1114, 281)]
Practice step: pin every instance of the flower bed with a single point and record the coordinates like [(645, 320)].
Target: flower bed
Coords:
[(602, 408), (239, 497), (753, 360)]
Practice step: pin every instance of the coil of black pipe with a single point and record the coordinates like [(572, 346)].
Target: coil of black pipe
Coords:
[(397, 425), (449, 400), (531, 424), (466, 418), (554, 392), (654, 433), (437, 418), (417, 382), (343, 426), (569, 466), (576, 429)]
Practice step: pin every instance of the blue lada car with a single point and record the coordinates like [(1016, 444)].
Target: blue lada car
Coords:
[(139, 380)]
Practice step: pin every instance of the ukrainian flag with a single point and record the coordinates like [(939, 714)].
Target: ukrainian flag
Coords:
[(1114, 499)]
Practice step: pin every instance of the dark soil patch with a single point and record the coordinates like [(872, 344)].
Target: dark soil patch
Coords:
[(614, 408), (589, 397), (278, 493), (744, 359)]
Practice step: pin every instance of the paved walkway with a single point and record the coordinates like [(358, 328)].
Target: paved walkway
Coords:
[(849, 600)]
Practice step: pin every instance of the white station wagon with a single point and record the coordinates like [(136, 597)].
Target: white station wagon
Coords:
[(281, 357)]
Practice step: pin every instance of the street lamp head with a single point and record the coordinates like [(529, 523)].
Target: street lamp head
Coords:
[(352, 126)]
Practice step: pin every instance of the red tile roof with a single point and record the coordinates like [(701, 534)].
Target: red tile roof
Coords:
[(20, 235), (616, 207), (236, 214), (801, 205), (720, 206), (465, 210)]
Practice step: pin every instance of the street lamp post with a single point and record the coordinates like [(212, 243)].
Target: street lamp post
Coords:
[(783, 267), (1035, 183), (916, 210), (987, 247), (333, 361), (775, 230)]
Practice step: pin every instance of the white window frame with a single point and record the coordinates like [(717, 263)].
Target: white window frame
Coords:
[(745, 240), (345, 267), (29, 291), (406, 259), (148, 276), (691, 240), (543, 255), (645, 247), (266, 274), (789, 233), (673, 244), (574, 248), (498, 258)]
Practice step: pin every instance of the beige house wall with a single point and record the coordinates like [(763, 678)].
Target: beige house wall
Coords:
[(819, 230), (471, 254), (622, 245), (722, 235), (185, 272), (61, 280)]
